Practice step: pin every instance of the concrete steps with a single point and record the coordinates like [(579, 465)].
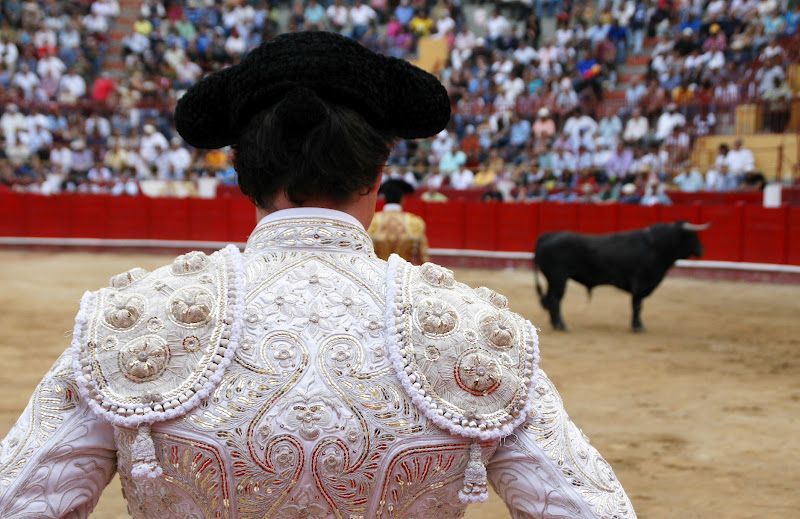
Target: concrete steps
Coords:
[(119, 30)]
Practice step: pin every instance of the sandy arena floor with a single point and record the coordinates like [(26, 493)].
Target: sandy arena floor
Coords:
[(699, 416)]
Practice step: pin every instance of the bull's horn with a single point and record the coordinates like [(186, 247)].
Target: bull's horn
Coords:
[(695, 227)]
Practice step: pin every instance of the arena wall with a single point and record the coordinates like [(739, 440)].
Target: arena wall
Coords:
[(738, 233)]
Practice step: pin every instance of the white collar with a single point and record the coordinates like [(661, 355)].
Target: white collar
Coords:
[(310, 212), (392, 208)]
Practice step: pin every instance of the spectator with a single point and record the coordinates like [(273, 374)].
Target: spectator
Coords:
[(766, 76), (361, 15), (520, 132), (777, 108), (497, 28), (99, 174), (668, 120), (421, 24), (635, 94), (60, 158), (314, 15), (655, 194), (153, 143), (610, 128), (690, 181), (81, 160), (179, 159), (441, 145), (462, 178), (125, 185), (577, 124), (740, 160), (338, 15), (544, 128), (619, 165), (636, 129), (629, 194), (71, 88), (451, 161)]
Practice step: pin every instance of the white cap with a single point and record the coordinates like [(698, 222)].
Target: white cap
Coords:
[(628, 189)]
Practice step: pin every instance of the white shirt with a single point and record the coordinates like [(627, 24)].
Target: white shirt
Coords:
[(26, 81), (101, 123), (9, 53), (73, 84), (462, 178), (61, 159), (95, 23), (445, 25), (574, 125), (497, 26), (362, 14), (106, 8), (337, 14), (392, 208), (152, 145), (666, 122), (235, 45), (179, 159), (51, 66), (740, 161), (525, 54), (311, 212)]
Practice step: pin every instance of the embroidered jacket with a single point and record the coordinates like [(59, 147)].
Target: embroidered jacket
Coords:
[(304, 377), (394, 231)]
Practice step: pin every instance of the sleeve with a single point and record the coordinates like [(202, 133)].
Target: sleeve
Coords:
[(547, 468), (59, 456)]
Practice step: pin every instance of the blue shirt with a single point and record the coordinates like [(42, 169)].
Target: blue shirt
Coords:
[(404, 14), (520, 132)]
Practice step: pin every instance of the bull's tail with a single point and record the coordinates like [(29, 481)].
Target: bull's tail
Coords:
[(539, 290)]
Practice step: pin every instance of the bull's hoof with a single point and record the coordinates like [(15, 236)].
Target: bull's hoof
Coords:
[(638, 329), (561, 327)]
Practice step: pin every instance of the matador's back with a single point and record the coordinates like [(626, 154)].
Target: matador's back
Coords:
[(304, 377)]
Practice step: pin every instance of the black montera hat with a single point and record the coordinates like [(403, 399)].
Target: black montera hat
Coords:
[(394, 189), (392, 95)]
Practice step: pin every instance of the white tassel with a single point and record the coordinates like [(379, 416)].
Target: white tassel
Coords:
[(143, 455), (475, 484)]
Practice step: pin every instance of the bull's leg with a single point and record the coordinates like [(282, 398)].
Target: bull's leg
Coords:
[(636, 321), (555, 292)]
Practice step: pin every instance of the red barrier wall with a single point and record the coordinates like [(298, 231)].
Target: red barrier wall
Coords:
[(739, 232)]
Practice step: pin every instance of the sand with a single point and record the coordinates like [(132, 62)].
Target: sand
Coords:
[(699, 416)]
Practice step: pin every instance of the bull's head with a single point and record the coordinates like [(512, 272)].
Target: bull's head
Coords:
[(690, 245)]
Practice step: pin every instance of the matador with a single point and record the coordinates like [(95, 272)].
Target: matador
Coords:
[(304, 376)]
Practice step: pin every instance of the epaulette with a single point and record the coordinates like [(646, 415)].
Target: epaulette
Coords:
[(463, 357), (152, 346)]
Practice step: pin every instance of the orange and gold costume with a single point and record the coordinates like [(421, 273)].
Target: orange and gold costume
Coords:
[(394, 231)]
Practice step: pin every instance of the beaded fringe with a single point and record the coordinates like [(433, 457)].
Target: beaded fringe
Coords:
[(143, 454), (475, 484)]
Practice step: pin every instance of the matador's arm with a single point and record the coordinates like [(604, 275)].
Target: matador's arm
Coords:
[(548, 469), (59, 456)]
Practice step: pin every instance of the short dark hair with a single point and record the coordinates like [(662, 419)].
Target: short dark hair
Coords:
[(308, 148)]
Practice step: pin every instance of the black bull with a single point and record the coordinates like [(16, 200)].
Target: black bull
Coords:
[(633, 261)]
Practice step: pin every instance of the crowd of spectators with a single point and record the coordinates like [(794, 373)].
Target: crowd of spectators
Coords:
[(532, 84)]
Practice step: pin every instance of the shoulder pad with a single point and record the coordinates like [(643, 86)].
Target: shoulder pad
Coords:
[(465, 360), (151, 346)]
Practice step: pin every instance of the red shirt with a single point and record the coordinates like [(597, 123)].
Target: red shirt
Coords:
[(102, 88)]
